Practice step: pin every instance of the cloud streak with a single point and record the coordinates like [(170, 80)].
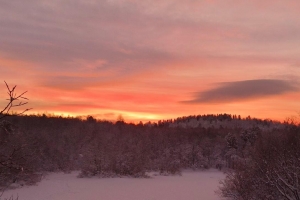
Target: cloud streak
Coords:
[(244, 90)]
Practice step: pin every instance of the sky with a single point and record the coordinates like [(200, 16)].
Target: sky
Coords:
[(152, 59)]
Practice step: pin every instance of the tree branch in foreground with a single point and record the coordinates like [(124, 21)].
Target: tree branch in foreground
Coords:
[(14, 100)]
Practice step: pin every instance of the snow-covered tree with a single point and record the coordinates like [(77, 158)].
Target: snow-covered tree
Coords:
[(272, 172)]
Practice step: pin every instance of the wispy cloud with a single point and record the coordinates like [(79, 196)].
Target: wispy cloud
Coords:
[(244, 90)]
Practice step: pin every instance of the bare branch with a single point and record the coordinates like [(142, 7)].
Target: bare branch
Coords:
[(12, 101)]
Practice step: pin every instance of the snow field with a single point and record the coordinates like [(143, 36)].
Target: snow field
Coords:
[(191, 185)]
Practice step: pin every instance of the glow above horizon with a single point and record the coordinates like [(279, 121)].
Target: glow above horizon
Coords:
[(151, 60)]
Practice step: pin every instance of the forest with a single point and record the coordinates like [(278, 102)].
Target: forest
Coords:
[(256, 154)]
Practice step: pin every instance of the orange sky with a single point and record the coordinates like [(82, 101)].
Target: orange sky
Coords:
[(150, 60)]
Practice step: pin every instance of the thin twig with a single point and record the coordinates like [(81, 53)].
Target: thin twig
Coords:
[(13, 97)]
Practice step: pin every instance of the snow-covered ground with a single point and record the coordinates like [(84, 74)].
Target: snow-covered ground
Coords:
[(191, 185)]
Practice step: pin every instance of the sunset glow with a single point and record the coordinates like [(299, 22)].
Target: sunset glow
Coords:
[(152, 60)]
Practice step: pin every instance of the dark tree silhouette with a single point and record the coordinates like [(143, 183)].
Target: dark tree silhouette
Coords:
[(14, 100)]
